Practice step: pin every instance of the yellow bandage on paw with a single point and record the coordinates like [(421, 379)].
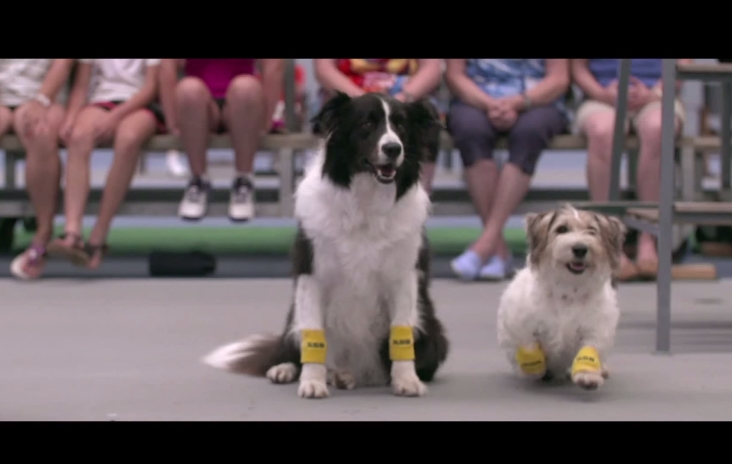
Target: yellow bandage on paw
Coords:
[(531, 360), (587, 360), (313, 348), (401, 343)]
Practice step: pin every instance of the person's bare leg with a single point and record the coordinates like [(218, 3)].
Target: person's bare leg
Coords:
[(198, 116), (512, 187), (82, 142), (243, 116), (42, 167), (6, 120), (598, 128), (649, 176), (244, 119), (482, 179), (133, 131)]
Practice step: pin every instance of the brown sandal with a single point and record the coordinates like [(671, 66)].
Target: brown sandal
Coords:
[(75, 253)]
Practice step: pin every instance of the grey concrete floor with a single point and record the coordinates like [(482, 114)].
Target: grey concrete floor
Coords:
[(130, 350)]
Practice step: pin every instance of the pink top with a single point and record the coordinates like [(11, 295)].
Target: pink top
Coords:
[(218, 73)]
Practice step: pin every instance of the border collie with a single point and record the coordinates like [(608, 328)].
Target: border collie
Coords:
[(559, 314), (362, 313)]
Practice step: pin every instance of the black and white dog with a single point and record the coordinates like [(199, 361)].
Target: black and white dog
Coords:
[(362, 313)]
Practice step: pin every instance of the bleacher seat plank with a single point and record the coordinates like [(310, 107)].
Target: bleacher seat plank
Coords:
[(689, 70), (696, 271)]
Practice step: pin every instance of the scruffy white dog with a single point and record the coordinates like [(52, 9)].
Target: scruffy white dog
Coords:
[(559, 314)]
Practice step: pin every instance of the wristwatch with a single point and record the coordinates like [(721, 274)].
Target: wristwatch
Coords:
[(44, 100)]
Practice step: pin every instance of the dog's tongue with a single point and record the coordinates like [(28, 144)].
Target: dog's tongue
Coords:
[(577, 266)]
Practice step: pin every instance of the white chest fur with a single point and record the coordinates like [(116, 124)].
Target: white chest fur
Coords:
[(364, 244)]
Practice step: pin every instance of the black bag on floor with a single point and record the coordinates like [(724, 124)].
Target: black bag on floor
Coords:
[(189, 264)]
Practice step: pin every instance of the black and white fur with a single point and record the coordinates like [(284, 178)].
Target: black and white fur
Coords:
[(361, 260)]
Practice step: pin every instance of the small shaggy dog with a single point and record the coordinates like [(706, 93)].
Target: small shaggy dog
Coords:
[(559, 314), (362, 313)]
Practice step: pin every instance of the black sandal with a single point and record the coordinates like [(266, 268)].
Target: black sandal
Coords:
[(75, 253)]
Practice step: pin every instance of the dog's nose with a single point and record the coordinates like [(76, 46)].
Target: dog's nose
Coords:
[(392, 150), (579, 251)]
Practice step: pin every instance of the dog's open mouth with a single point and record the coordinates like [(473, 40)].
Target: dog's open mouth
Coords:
[(577, 267), (385, 173)]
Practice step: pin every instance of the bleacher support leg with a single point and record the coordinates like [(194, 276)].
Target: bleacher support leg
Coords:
[(619, 133), (725, 130), (287, 184), (666, 205)]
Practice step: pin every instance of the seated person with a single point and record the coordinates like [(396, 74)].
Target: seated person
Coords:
[(404, 79), (112, 100), (28, 108), (597, 78), (279, 122), (219, 95), (524, 99)]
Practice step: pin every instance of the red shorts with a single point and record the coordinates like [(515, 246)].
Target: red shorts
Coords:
[(153, 108)]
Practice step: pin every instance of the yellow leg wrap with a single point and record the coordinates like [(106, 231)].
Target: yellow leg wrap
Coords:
[(313, 348), (531, 360), (401, 343), (587, 360)]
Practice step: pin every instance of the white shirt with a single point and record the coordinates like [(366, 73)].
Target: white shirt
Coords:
[(117, 79), (21, 80)]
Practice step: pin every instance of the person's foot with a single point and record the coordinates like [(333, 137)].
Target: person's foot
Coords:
[(195, 200), (496, 269), (96, 255), (30, 264), (467, 266), (241, 204), (628, 270), (173, 160), (647, 264)]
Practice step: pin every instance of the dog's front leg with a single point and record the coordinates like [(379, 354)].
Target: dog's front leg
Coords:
[(404, 319), (309, 327), (588, 370)]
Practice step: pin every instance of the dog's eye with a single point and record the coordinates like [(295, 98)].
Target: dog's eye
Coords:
[(561, 230), (592, 231), (367, 125)]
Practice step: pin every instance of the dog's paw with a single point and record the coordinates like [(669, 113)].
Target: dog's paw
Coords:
[(310, 388), (282, 373), (342, 380), (588, 380), (408, 385)]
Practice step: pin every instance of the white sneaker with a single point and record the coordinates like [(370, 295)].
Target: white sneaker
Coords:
[(195, 200), (241, 205)]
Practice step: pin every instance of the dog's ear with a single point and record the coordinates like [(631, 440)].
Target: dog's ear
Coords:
[(537, 233), (612, 232), (325, 121), (425, 126)]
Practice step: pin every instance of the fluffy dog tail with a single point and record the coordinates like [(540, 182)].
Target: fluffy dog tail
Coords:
[(252, 356)]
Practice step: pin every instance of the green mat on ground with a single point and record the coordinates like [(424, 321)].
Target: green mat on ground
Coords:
[(256, 240)]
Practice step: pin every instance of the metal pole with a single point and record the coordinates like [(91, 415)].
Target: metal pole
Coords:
[(724, 121), (665, 206), (619, 134), (289, 79)]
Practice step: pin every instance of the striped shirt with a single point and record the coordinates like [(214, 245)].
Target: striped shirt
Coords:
[(21, 80)]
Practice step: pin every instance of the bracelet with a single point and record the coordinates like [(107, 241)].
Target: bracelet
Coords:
[(43, 100)]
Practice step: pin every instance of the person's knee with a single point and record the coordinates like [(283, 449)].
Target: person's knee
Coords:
[(244, 89), (467, 123), (28, 131), (82, 136), (649, 131), (192, 91)]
